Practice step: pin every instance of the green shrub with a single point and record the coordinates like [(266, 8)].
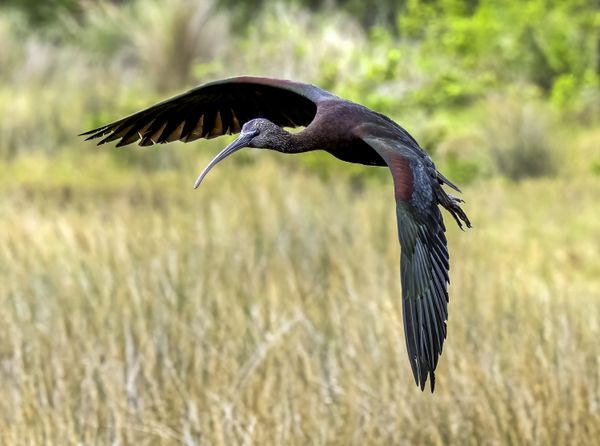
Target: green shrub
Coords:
[(544, 42), (519, 132), (44, 12)]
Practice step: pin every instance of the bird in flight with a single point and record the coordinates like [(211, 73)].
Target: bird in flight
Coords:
[(260, 108)]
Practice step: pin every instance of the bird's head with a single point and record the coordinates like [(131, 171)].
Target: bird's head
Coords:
[(257, 133)]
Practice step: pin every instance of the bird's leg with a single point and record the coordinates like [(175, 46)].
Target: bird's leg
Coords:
[(452, 205)]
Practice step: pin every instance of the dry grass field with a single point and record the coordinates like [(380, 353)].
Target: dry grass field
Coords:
[(265, 307), (268, 312)]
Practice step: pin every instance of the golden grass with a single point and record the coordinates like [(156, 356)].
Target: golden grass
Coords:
[(265, 308)]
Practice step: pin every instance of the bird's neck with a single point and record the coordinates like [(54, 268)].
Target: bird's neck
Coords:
[(299, 142), (285, 142)]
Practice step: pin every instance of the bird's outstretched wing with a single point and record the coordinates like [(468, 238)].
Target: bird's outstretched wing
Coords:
[(424, 266), (424, 262), (216, 109)]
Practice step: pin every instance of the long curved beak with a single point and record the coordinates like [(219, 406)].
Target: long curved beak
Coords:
[(242, 141)]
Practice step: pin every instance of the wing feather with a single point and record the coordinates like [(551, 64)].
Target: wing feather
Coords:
[(424, 259), (216, 109), (424, 288)]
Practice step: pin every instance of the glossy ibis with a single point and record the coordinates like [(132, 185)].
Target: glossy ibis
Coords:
[(259, 109)]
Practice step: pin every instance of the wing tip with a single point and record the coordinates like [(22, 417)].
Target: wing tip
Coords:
[(422, 373), (97, 133)]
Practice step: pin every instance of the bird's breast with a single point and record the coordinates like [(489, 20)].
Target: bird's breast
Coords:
[(333, 130)]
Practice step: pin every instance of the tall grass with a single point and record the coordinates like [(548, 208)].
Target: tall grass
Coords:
[(160, 42), (265, 307), (269, 313), (519, 134)]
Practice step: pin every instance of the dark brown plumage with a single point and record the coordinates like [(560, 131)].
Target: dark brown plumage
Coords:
[(259, 108)]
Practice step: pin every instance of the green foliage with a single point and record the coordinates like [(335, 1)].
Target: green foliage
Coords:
[(366, 13), (470, 48), (164, 43), (438, 58), (518, 133), (461, 171), (46, 11)]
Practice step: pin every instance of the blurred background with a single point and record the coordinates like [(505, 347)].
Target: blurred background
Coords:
[(264, 308)]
